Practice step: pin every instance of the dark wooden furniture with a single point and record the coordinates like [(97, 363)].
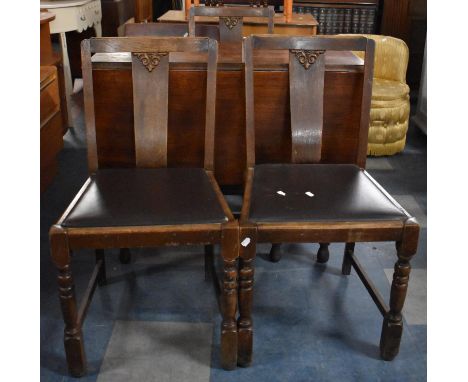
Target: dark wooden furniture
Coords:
[(113, 91), (50, 58), (407, 20), (306, 200), (115, 13), (170, 29), (152, 204), (143, 11), (51, 124), (416, 43), (395, 18), (298, 25), (341, 16), (231, 20)]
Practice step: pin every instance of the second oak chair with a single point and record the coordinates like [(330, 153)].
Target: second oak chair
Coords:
[(311, 201)]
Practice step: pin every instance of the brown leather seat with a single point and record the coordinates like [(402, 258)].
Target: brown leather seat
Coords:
[(143, 197), (340, 193)]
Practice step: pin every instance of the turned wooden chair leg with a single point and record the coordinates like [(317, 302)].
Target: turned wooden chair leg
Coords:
[(229, 253), (246, 279), (209, 262), (348, 252), (275, 253), (73, 337), (102, 278), (392, 327), (323, 253), (125, 255)]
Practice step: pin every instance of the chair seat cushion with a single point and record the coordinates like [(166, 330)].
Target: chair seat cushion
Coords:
[(146, 197), (340, 192)]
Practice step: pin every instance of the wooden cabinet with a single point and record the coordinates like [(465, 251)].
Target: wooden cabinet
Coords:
[(50, 58), (51, 124), (341, 16)]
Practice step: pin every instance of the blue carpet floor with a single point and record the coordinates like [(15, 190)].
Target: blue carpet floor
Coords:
[(158, 320)]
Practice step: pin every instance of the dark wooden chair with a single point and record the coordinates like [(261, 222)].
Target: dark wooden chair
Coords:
[(308, 200), (149, 205), (231, 19), (171, 29)]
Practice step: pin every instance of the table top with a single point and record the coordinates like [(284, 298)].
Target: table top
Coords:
[(46, 17), (297, 20), (50, 4)]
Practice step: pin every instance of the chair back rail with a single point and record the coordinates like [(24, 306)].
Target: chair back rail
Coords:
[(306, 85), (231, 19), (170, 29), (150, 77)]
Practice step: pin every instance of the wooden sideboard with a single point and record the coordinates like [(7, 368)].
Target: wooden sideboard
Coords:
[(50, 123), (114, 130), (299, 24)]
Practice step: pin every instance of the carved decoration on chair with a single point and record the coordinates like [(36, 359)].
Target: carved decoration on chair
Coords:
[(231, 21), (150, 60), (307, 57)]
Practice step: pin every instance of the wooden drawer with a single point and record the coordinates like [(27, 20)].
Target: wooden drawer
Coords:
[(50, 98), (51, 139), (51, 125)]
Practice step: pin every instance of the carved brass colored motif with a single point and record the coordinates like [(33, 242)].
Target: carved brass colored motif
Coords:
[(150, 60), (231, 21), (307, 57)]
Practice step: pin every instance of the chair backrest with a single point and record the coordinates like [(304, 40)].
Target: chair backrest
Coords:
[(143, 11), (170, 29), (150, 77), (306, 89), (231, 19)]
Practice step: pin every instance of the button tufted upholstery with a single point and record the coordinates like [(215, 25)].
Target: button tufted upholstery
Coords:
[(390, 105)]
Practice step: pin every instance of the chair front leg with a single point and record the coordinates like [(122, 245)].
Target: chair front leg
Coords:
[(73, 337), (392, 328), (247, 252), (229, 253)]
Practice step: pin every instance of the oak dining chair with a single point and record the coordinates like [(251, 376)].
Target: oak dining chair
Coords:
[(170, 30), (231, 19), (151, 204), (309, 200)]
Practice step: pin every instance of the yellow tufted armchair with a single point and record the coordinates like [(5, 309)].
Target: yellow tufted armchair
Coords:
[(390, 106)]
